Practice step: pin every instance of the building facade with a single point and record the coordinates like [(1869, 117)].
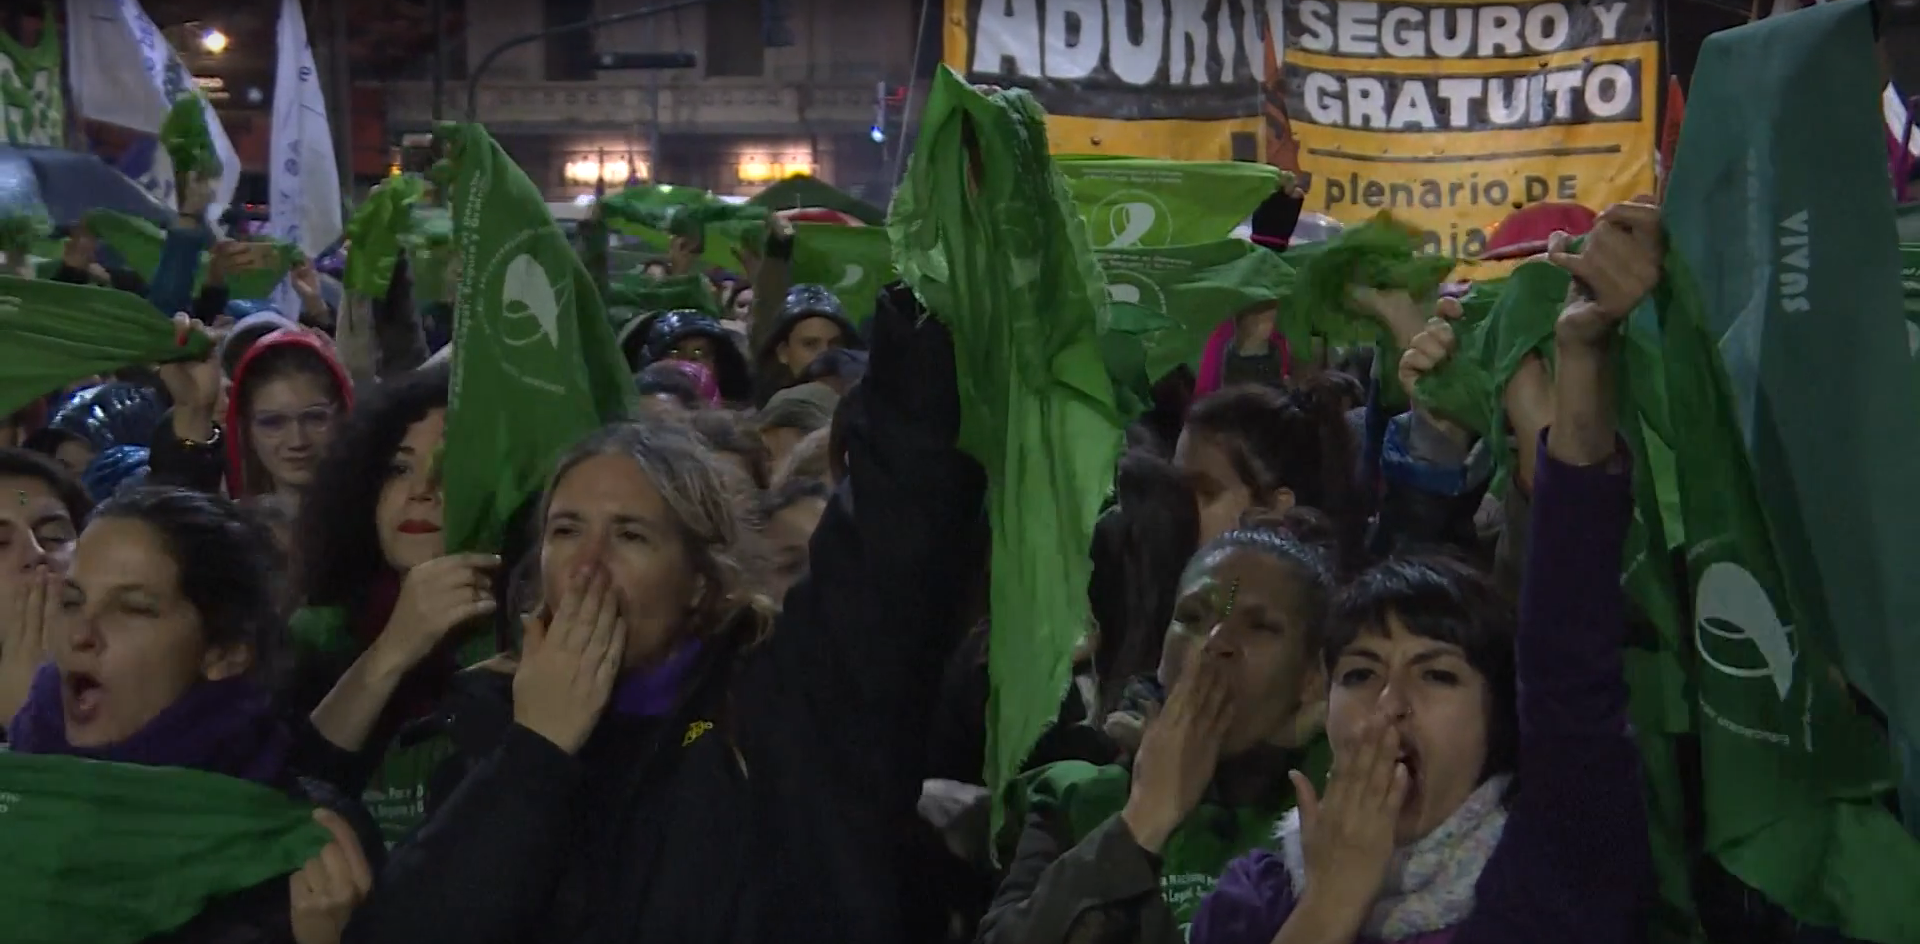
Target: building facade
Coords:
[(745, 114)]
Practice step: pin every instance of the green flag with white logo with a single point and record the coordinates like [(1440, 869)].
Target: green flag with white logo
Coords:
[(1129, 202), (1170, 299), (35, 112), (535, 366), (853, 262), (1797, 465)]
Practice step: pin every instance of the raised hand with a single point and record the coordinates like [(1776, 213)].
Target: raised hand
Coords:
[(567, 667), (435, 597), (1616, 268), (1432, 347), (333, 883), (28, 608), (1178, 754), (1347, 833)]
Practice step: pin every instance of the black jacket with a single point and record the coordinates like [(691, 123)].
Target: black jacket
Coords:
[(262, 914), (770, 805)]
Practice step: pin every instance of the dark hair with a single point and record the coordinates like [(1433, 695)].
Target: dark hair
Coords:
[(837, 432), (230, 569), (1302, 539), (836, 363), (1299, 441), (724, 432), (48, 440), (661, 378), (26, 464), (1141, 544), (339, 545), (1447, 600)]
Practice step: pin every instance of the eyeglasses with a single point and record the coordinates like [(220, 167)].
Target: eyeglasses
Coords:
[(312, 421)]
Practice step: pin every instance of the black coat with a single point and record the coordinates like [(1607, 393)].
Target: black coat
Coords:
[(771, 805)]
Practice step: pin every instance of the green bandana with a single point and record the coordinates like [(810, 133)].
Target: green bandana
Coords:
[(853, 262), (535, 366), (374, 232), (1130, 201), (53, 333), (1006, 266), (119, 853), (139, 244)]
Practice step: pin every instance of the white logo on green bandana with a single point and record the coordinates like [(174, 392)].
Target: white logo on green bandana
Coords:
[(1131, 288), (1130, 218), (526, 295), (1730, 607), (530, 303), (852, 277)]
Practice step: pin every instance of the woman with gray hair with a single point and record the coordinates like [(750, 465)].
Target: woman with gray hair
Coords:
[(673, 760)]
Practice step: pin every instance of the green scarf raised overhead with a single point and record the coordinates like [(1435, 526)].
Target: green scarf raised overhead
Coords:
[(996, 252), (53, 333), (1165, 302), (535, 367), (1779, 199), (374, 233), (642, 293), (120, 853), (853, 262), (656, 212), (1130, 201), (805, 192), (187, 139), (139, 244)]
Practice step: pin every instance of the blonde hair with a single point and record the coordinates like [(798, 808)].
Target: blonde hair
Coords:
[(709, 515), (807, 460)]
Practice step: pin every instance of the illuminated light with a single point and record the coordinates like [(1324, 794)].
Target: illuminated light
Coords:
[(587, 171), (878, 136), (214, 41)]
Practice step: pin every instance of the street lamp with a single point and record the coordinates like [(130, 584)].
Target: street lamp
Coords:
[(213, 41)]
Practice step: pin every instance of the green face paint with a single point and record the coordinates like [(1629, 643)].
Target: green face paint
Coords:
[(1233, 591)]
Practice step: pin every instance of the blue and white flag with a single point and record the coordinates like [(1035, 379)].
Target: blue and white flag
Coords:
[(124, 73), (303, 178)]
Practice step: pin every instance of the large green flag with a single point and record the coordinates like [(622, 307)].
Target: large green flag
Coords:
[(535, 367), (853, 262), (996, 252), (1779, 199), (1129, 201), (120, 853), (54, 333), (30, 87)]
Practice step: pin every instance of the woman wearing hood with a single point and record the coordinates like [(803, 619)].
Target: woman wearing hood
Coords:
[(670, 761), (287, 392), (688, 335)]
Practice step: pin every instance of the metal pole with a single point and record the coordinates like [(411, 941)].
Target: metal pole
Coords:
[(437, 11), (486, 61)]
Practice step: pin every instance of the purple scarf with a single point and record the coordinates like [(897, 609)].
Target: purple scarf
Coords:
[(650, 693), (225, 727)]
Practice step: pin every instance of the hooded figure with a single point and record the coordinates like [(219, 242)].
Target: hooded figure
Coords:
[(117, 468), (811, 321), (246, 474), (115, 413), (694, 336), (250, 323)]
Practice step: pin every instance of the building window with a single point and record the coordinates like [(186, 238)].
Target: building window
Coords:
[(736, 43), (569, 54)]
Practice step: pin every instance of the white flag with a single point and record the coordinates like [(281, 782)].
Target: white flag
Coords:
[(303, 180), (123, 72)]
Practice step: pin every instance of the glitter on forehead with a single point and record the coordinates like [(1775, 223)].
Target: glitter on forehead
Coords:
[(1233, 590), (21, 494)]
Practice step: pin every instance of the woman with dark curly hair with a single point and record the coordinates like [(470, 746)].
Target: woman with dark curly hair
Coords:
[(389, 616)]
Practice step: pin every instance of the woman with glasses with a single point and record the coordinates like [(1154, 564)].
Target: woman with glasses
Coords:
[(283, 400)]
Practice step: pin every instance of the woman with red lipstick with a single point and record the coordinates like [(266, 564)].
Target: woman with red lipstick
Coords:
[(389, 616), (167, 636)]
